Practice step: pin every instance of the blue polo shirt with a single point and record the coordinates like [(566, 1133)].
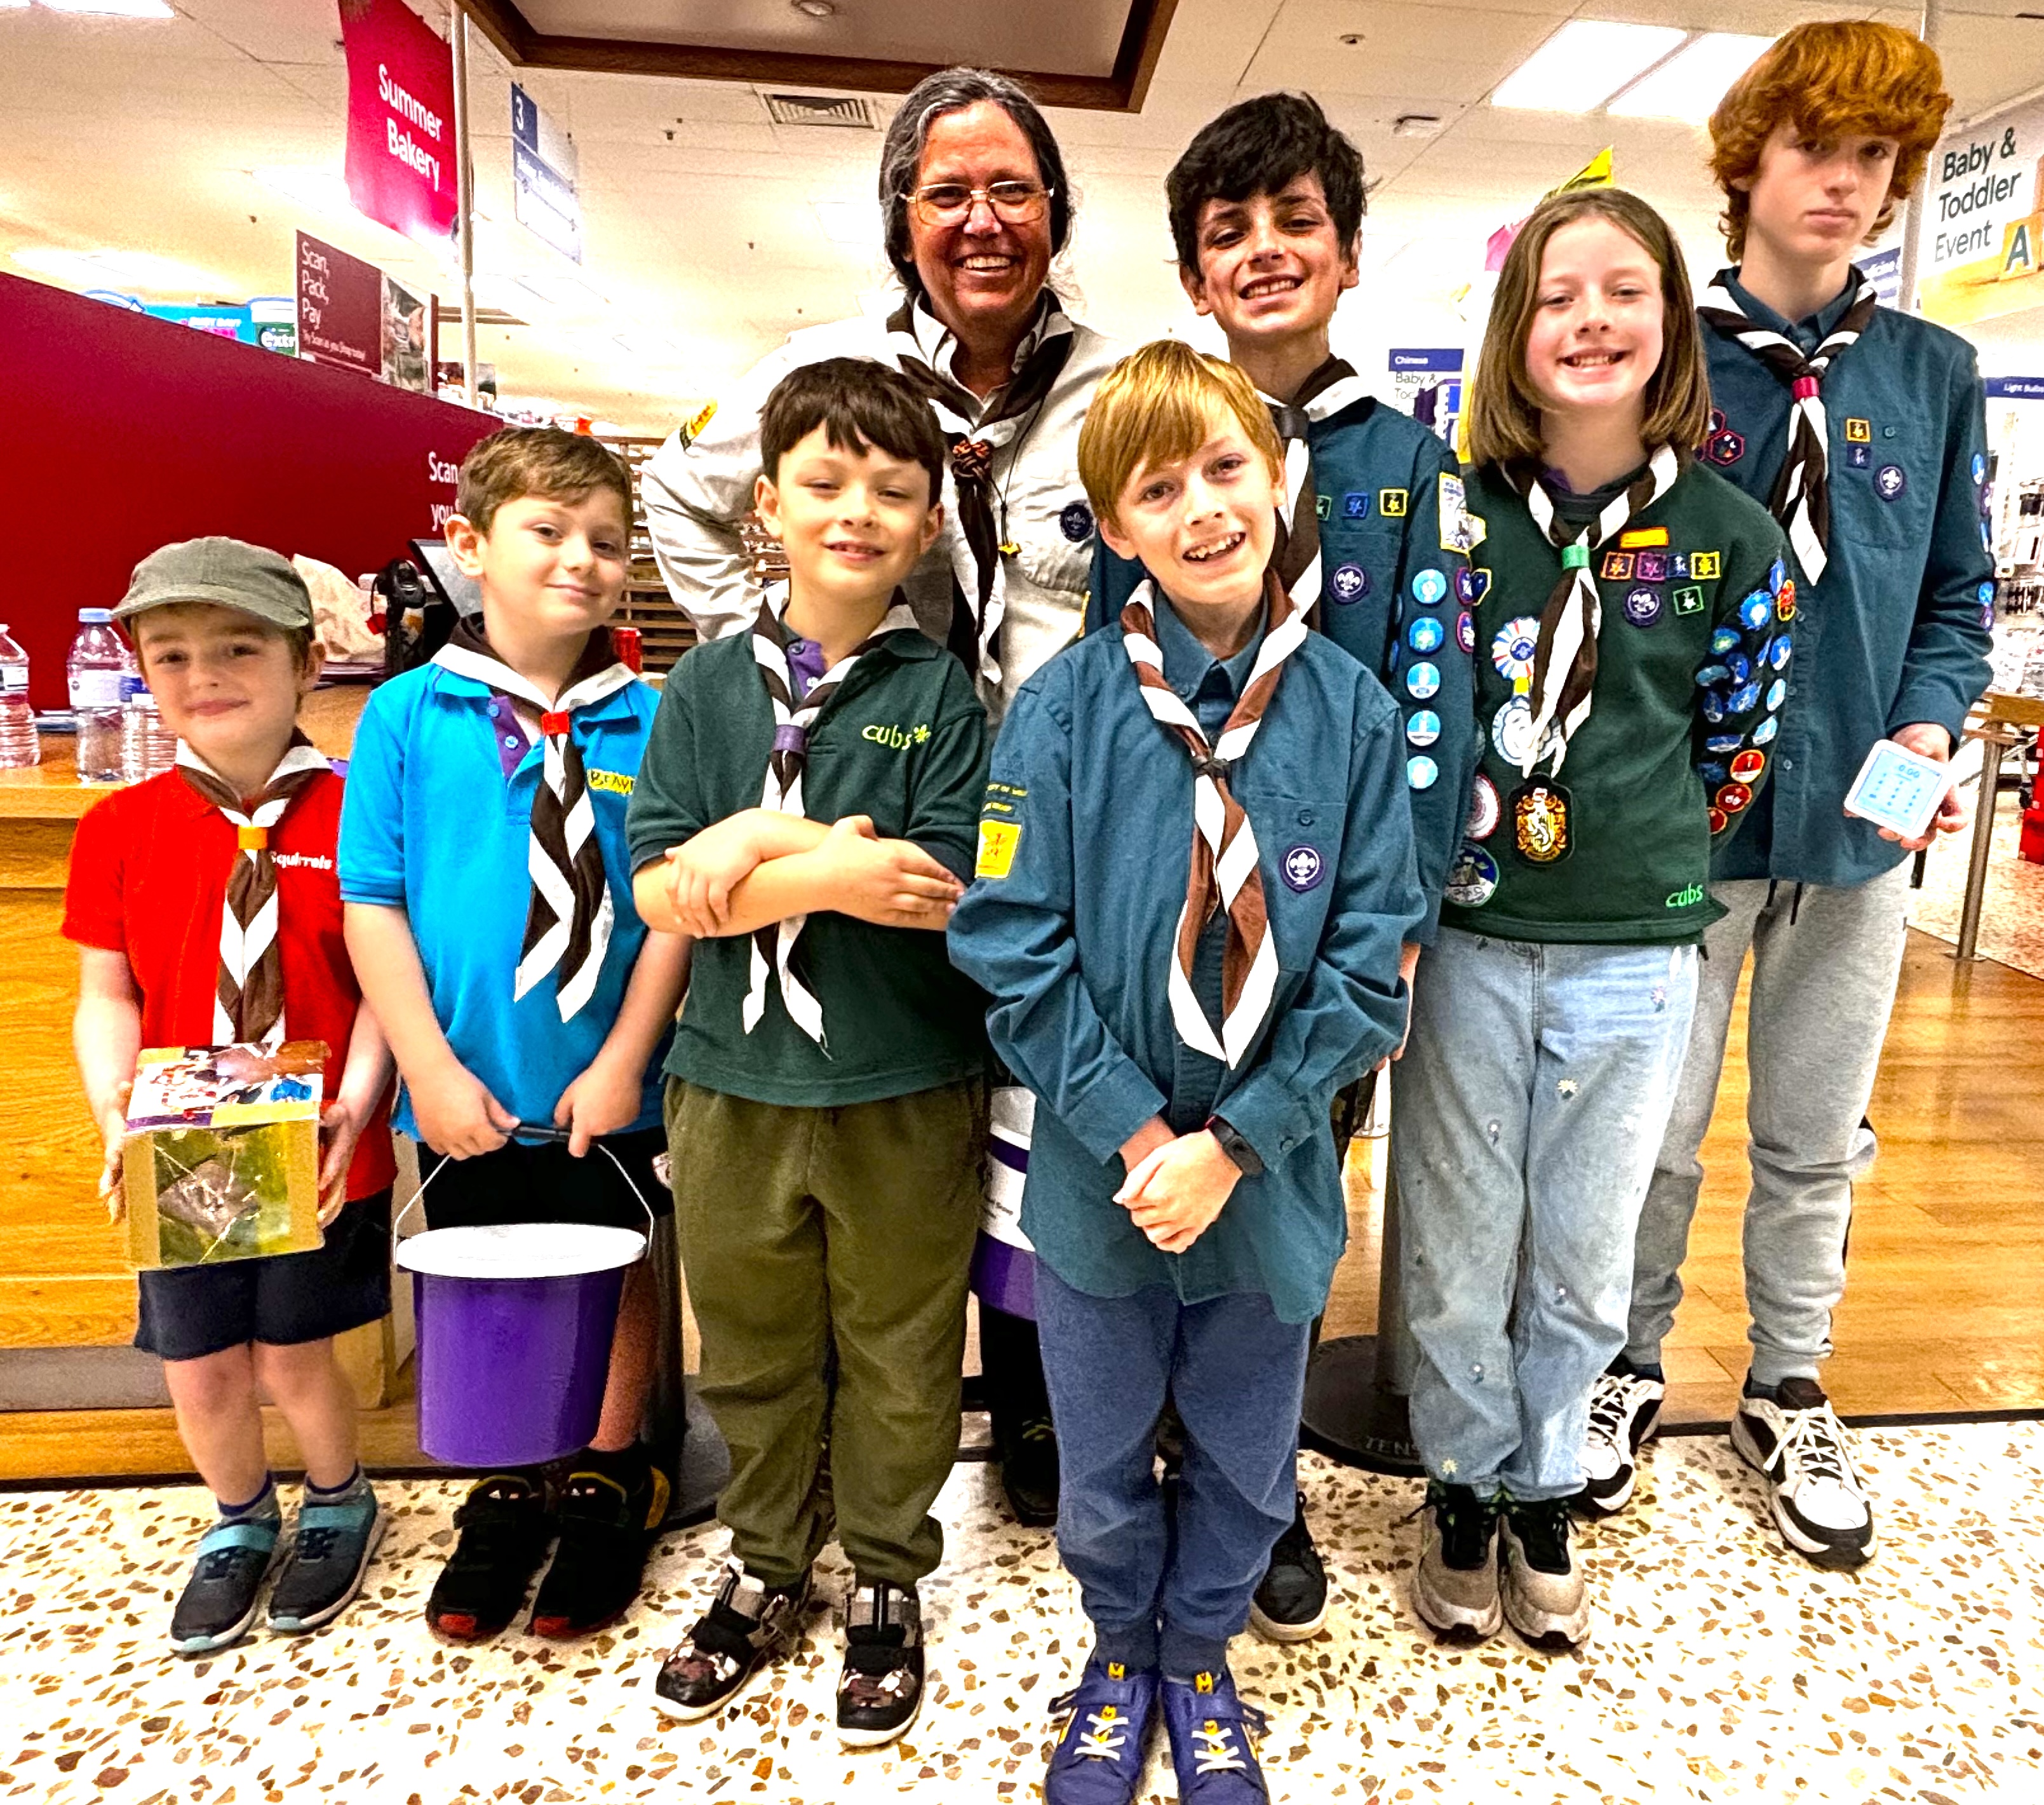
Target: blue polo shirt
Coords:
[(1071, 924), (1899, 629), (434, 823)]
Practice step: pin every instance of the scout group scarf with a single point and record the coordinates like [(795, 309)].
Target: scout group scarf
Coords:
[(772, 946), (973, 431), (1565, 660), (1801, 500), (1225, 872), (568, 918), (1296, 556), (248, 995)]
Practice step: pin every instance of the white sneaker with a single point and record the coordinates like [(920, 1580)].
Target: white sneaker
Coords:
[(1625, 1410), (1798, 1446)]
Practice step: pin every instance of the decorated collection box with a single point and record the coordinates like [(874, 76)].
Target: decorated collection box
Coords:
[(222, 1159)]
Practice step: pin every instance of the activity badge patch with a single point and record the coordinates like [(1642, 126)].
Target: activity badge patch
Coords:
[(997, 841), (692, 429)]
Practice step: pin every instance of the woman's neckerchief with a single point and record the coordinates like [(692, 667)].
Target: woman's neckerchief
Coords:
[(774, 946), (1801, 501), (920, 347), (1226, 871), (248, 992), (1564, 661), (568, 918)]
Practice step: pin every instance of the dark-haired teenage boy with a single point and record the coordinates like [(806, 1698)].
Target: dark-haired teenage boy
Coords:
[(808, 808), (1862, 430), (1266, 208)]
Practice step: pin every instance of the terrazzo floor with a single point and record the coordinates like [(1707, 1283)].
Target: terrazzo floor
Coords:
[(1721, 1668)]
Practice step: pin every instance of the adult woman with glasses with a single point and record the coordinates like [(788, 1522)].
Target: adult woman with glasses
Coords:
[(976, 203)]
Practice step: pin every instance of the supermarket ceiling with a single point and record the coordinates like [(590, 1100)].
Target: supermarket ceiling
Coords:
[(178, 156)]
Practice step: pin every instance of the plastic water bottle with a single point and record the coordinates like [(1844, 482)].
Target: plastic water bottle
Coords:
[(99, 659), (18, 743), (148, 747)]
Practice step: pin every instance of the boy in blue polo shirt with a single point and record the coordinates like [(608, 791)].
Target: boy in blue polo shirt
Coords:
[(1184, 1041), (1266, 208), (490, 914)]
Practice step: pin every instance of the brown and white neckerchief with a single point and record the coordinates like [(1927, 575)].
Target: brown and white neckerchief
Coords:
[(1565, 660), (569, 918), (973, 431), (1225, 872), (1296, 557), (248, 993), (774, 946), (1800, 501)]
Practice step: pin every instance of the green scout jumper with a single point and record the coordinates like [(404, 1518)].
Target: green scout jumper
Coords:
[(1691, 659), (826, 1202)]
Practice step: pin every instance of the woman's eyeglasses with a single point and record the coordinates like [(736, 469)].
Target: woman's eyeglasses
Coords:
[(946, 203)]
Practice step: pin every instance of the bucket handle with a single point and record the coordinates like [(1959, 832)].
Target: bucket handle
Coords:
[(537, 1131)]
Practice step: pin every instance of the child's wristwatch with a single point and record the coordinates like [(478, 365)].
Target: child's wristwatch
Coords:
[(1235, 1147)]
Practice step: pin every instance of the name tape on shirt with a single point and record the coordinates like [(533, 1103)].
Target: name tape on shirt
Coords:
[(617, 783)]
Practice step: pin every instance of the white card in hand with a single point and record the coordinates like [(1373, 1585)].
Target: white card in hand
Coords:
[(1898, 789)]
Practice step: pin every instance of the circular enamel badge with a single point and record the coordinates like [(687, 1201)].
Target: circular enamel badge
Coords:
[(1465, 630), (1075, 521), (1472, 879), (1421, 772), (1725, 639), (1720, 820), (1350, 583), (1753, 612), (1429, 587), (1738, 667), (1723, 743), (1423, 682), (1465, 586), (1423, 728), (1512, 730), (1777, 652), (1513, 646), (1777, 691), (1485, 810), (1748, 765), (1426, 633), (1642, 607), (1303, 868), (1889, 483), (1742, 697), (1985, 593), (1714, 706), (1765, 732), (1733, 797)]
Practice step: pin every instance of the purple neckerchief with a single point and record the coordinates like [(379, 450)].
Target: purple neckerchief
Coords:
[(805, 665), (507, 732)]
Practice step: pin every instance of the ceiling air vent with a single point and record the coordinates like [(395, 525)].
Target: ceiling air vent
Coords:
[(820, 110)]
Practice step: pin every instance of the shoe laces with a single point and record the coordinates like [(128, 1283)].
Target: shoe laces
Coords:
[(1214, 1751), (1610, 1403), (314, 1545), (1813, 1442), (222, 1563), (1038, 1428), (1107, 1730)]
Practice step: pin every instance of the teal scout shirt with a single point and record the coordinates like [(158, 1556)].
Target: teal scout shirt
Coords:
[(904, 740)]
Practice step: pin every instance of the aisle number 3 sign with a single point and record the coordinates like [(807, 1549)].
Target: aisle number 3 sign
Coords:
[(400, 153)]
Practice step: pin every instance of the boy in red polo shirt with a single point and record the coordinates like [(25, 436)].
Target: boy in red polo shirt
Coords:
[(188, 936)]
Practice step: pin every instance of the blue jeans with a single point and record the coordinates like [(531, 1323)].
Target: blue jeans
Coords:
[(1536, 1087), (1159, 1593)]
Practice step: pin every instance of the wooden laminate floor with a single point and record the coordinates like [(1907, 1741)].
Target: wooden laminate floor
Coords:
[(1943, 1310)]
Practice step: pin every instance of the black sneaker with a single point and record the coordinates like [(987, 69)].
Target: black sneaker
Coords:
[(747, 1624), (1796, 1442), (1625, 1411), (607, 1528), (1029, 1471), (1291, 1603), (331, 1546), (1544, 1593), (506, 1527), (881, 1689), (219, 1600)]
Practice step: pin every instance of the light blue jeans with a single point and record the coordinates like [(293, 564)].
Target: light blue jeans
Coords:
[(1536, 1088)]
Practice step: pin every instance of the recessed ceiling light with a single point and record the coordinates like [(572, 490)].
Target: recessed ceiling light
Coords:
[(815, 9), (114, 8), (1583, 64), (1690, 83)]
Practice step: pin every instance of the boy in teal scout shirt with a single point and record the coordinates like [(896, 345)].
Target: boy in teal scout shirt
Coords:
[(1266, 208), (1862, 429), (1183, 1039), (807, 809)]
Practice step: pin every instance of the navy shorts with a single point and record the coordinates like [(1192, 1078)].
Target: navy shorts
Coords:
[(526, 1181), (190, 1311)]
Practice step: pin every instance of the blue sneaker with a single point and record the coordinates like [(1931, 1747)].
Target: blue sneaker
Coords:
[(1099, 1754), (1213, 1751), (221, 1597)]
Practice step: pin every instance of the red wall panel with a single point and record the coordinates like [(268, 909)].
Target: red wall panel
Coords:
[(120, 432)]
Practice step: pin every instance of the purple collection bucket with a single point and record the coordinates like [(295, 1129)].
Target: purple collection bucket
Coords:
[(515, 1323)]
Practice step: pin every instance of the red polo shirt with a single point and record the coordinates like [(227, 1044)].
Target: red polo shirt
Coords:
[(148, 878)]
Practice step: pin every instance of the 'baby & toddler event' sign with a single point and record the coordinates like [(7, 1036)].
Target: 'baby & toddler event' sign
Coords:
[(1982, 248)]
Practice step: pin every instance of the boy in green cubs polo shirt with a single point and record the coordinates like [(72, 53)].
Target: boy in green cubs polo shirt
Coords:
[(808, 807)]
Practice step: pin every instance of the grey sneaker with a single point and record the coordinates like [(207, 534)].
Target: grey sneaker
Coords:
[(331, 1546), (1454, 1587), (1544, 1594)]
